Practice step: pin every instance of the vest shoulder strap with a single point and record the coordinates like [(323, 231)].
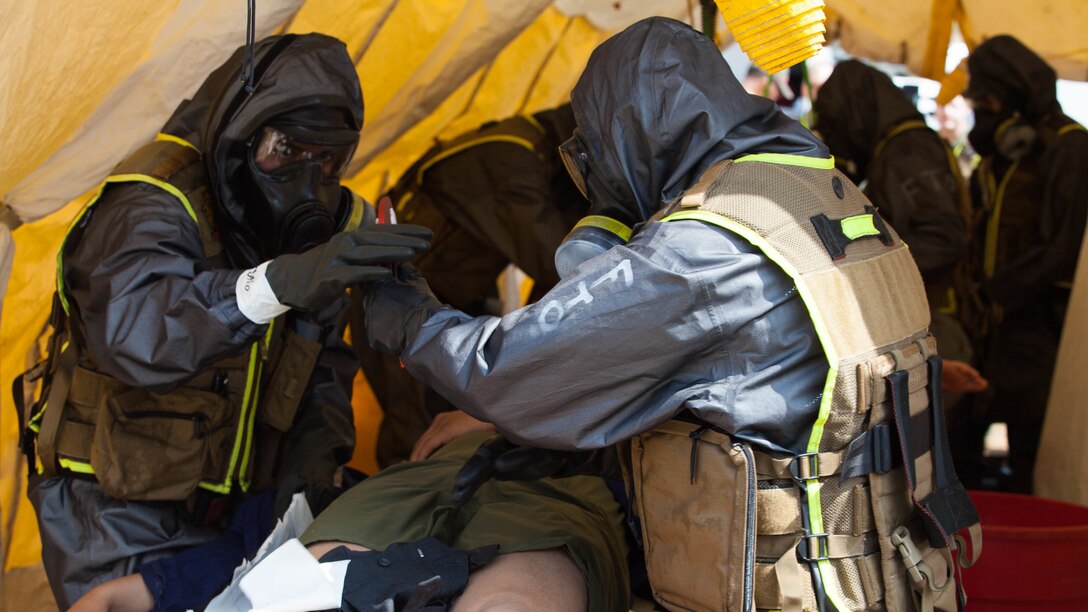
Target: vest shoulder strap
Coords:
[(522, 131)]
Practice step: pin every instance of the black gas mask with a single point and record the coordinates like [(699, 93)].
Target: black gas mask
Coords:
[(1002, 132), (294, 198)]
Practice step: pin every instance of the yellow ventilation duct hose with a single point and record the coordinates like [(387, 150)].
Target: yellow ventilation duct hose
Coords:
[(776, 34)]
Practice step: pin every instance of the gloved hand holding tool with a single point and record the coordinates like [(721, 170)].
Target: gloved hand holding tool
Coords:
[(313, 279)]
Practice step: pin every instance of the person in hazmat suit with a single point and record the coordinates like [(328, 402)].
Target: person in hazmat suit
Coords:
[(910, 175), (197, 353), (1031, 195), (759, 344), (493, 196)]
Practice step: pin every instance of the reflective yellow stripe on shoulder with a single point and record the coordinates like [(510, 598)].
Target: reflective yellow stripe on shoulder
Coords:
[(786, 159)]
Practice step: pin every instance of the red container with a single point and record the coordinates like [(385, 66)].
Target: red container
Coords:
[(1034, 555)]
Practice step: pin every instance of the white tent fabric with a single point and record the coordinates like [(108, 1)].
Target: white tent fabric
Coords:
[(904, 32), (1061, 470)]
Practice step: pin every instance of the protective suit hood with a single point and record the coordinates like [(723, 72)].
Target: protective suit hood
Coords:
[(656, 106), (558, 123), (856, 107), (292, 72), (1004, 67)]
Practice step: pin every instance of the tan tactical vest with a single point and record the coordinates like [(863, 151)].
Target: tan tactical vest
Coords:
[(219, 432), (730, 527)]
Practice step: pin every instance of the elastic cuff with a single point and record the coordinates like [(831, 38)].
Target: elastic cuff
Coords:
[(255, 297)]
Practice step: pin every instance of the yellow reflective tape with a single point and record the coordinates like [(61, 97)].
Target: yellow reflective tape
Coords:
[(859, 225), (239, 436), (79, 467), (214, 488), (252, 413), (815, 512), (789, 160), (1072, 127), (950, 306), (358, 207), (608, 224), (536, 124), (989, 261), (913, 124), (167, 187), (176, 140), (472, 143)]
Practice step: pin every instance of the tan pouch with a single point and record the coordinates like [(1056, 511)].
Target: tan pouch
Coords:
[(288, 381), (151, 447), (698, 512), (892, 506)]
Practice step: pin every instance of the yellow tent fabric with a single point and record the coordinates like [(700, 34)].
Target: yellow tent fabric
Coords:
[(84, 83)]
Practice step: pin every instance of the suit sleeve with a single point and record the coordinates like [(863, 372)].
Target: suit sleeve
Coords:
[(917, 193), (142, 290)]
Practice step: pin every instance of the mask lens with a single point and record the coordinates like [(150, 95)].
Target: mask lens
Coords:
[(275, 153), (574, 161)]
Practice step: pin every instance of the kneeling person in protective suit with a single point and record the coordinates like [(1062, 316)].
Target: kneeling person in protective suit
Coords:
[(493, 196), (197, 353), (761, 339)]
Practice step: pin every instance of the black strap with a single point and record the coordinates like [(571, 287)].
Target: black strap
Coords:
[(948, 505), (830, 232), (877, 449)]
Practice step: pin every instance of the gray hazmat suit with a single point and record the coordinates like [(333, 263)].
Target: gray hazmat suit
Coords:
[(685, 316)]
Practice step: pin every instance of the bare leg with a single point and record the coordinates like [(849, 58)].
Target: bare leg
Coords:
[(318, 549), (542, 580)]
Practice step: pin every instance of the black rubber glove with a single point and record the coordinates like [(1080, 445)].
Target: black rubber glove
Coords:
[(501, 459), (314, 279), (395, 308)]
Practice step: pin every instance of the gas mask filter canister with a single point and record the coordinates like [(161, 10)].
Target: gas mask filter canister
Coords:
[(590, 237)]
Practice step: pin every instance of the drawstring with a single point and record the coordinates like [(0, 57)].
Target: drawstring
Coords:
[(247, 58)]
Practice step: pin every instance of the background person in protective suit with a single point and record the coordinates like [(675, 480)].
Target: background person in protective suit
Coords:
[(1031, 196), (882, 142), (494, 196), (200, 305)]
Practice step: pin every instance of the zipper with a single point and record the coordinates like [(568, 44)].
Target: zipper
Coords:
[(749, 526)]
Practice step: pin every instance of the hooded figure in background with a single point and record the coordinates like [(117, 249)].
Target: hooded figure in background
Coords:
[(197, 353), (708, 322), (495, 196), (1030, 193), (909, 174)]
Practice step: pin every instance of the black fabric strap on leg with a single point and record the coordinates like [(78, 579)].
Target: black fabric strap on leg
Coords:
[(421, 575)]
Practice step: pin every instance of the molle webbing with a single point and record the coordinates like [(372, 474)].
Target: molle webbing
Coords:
[(824, 538)]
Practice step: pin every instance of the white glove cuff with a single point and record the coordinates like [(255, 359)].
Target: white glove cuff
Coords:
[(255, 297)]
